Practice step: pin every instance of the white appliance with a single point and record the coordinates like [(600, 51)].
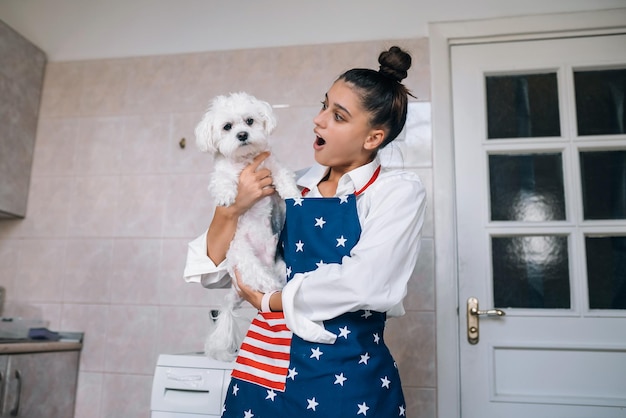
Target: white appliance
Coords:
[(189, 385)]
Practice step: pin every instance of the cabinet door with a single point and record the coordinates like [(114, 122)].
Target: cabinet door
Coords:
[(4, 360), (23, 66), (41, 384)]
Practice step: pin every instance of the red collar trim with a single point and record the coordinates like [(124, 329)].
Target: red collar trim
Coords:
[(368, 184)]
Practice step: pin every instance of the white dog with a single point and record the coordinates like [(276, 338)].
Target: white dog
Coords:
[(235, 129)]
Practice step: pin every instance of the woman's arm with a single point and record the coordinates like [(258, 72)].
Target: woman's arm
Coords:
[(375, 275), (255, 183)]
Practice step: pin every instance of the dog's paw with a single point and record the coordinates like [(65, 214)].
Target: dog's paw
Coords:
[(223, 187), (224, 201), (286, 186), (290, 191), (280, 270), (223, 196)]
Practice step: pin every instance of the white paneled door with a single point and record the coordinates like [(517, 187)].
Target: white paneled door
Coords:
[(540, 160)]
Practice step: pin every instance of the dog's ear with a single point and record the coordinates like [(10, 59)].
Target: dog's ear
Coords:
[(269, 118), (204, 133)]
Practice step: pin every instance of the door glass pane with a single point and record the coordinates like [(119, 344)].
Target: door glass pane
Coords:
[(531, 272), (603, 177), (527, 187), (606, 272), (600, 101), (522, 106)]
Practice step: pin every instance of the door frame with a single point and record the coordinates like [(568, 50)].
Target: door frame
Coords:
[(442, 36)]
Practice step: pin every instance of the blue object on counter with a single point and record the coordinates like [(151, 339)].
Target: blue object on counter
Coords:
[(43, 334)]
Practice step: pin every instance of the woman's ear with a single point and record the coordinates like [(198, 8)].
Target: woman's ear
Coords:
[(374, 139)]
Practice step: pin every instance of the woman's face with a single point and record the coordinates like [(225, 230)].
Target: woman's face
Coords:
[(342, 129)]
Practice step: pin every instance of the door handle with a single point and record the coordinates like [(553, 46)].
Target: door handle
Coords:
[(473, 313), (16, 408), (1, 397)]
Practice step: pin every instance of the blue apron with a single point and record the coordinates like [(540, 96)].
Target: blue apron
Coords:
[(355, 376)]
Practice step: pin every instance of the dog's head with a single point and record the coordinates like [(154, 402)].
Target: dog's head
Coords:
[(235, 126)]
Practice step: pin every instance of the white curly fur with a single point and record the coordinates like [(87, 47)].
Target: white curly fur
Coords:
[(235, 129)]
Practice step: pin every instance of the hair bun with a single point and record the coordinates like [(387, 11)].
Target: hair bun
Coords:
[(394, 63)]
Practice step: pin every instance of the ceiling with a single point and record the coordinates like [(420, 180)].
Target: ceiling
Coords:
[(91, 29)]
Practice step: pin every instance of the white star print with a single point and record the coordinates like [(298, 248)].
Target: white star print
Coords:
[(292, 374), (385, 382), (320, 222), (363, 409), (343, 199), (297, 201), (341, 241), (320, 264), (343, 332), (376, 338), (339, 379), (366, 314), (316, 352), (235, 389), (299, 246), (402, 410), (249, 414), (312, 404), (271, 394), (364, 358), (288, 271)]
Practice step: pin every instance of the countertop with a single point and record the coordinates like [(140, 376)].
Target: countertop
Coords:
[(37, 346)]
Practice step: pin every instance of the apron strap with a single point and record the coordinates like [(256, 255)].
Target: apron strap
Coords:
[(372, 180)]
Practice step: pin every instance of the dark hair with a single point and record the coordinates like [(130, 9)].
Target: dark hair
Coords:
[(382, 93)]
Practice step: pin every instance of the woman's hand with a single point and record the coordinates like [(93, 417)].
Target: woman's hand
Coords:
[(255, 183), (254, 297)]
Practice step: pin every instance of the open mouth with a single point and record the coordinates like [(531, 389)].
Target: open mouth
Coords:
[(319, 141)]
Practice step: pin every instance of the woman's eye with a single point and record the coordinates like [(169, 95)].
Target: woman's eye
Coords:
[(324, 106), (249, 121), (338, 117), (228, 127)]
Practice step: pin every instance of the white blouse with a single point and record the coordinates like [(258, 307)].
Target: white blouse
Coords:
[(374, 277)]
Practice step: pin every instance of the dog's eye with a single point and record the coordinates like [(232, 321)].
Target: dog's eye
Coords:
[(249, 121), (228, 127)]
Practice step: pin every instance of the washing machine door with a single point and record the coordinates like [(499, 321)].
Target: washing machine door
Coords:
[(189, 387)]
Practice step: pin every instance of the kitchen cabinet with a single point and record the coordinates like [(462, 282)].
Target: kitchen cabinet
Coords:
[(22, 67), (39, 384)]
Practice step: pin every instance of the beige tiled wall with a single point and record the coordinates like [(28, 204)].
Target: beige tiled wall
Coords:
[(114, 201)]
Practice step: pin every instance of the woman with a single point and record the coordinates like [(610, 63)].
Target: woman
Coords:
[(350, 245)]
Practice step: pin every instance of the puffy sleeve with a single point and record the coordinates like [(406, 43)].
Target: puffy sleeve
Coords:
[(199, 268), (375, 275)]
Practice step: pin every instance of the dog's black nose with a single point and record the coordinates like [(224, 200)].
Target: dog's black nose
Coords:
[(242, 136)]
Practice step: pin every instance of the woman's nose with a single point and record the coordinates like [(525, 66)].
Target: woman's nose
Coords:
[(319, 119)]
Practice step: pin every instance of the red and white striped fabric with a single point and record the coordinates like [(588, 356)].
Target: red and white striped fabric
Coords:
[(264, 354)]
